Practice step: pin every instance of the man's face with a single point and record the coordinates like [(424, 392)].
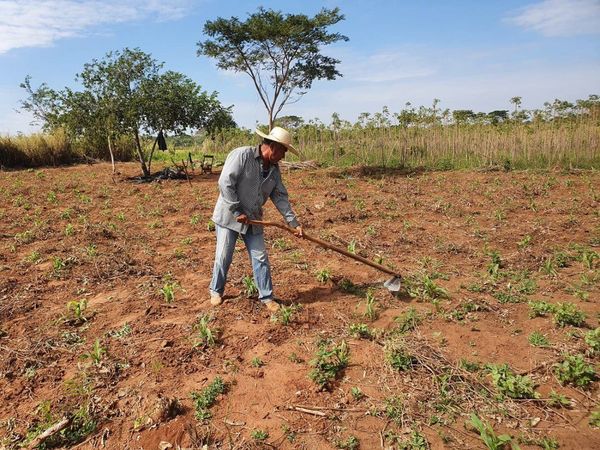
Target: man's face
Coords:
[(275, 152)]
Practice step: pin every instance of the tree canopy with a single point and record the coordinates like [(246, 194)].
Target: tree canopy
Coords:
[(126, 93), (281, 53)]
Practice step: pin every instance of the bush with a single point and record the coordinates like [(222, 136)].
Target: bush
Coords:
[(574, 370)]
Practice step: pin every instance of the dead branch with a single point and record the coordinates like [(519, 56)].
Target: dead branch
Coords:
[(56, 428)]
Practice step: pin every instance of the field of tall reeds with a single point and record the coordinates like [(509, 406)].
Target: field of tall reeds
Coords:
[(432, 142), (564, 143)]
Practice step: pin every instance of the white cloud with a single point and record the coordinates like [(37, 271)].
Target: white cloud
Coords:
[(560, 17), (38, 23)]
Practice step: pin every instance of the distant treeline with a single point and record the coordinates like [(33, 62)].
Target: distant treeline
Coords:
[(561, 134)]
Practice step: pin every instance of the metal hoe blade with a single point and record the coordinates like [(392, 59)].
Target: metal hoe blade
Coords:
[(393, 284)]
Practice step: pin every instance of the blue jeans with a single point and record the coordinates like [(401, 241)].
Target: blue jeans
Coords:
[(255, 244)]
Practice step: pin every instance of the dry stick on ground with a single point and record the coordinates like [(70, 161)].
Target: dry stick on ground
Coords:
[(57, 427)]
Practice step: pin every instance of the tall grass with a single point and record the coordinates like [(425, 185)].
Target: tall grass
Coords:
[(569, 143), (37, 150), (542, 145)]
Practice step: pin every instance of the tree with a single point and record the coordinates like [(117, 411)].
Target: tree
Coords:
[(126, 94), (280, 53)]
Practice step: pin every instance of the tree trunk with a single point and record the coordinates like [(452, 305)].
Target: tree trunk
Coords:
[(112, 156), (141, 154), (151, 153)]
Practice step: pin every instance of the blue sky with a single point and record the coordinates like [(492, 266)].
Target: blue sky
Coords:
[(470, 54)]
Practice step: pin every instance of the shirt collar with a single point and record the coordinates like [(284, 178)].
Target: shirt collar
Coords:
[(257, 151)]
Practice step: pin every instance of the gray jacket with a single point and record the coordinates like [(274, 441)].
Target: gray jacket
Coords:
[(244, 190)]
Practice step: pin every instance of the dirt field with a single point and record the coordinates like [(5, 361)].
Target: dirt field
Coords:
[(475, 249)]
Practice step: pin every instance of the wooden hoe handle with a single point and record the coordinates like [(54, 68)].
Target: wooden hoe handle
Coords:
[(325, 245)]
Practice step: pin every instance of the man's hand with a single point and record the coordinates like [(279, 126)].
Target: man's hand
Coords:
[(242, 218), (298, 231)]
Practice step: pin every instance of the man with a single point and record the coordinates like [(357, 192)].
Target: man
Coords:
[(249, 178)]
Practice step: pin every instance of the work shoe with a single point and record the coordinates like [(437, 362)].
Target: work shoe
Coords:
[(272, 305), (215, 299)]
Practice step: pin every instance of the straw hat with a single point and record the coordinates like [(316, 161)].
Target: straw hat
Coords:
[(283, 137)]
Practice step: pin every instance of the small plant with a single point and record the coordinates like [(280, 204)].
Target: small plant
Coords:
[(352, 247), (96, 354), (424, 286), (91, 250), (210, 226), (195, 220), (168, 291), (568, 314), (495, 265), (489, 437), (323, 275), (538, 339), (285, 314), (408, 320), (69, 230), (281, 244), (526, 241), (351, 443), (357, 394), (34, 257), (574, 370), (250, 286), (57, 264), (397, 355), (259, 435), (121, 333), (394, 409), (329, 361), (540, 308), (76, 311), (205, 337), (257, 362), (207, 397), (594, 420), (511, 385), (592, 339), (360, 330), (370, 308), (557, 400)]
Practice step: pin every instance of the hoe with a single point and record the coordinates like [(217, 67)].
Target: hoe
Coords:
[(392, 285)]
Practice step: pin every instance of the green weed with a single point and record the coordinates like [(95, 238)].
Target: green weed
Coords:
[(394, 409), (76, 311), (489, 437), (509, 384), (323, 275), (540, 308), (592, 339), (259, 435), (207, 397), (351, 443), (360, 330), (397, 356), (568, 314), (575, 370), (249, 286), (557, 400), (371, 306), (328, 363), (538, 339), (257, 362), (408, 320), (96, 354), (205, 336), (357, 393)]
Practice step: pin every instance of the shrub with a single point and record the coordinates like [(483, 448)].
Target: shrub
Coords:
[(510, 384), (329, 361), (568, 314), (574, 370), (204, 399)]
